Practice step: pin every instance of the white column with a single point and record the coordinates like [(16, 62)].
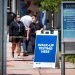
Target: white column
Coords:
[(13, 6), (18, 7)]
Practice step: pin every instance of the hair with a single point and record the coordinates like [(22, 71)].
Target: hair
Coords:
[(28, 12), (34, 15), (10, 17), (15, 16)]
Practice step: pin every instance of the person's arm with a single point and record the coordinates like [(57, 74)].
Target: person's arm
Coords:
[(10, 29), (28, 31), (41, 28)]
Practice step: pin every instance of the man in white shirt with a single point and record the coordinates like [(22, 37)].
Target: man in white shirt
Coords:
[(27, 20)]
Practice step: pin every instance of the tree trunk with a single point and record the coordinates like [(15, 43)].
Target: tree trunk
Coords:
[(52, 26), (52, 23)]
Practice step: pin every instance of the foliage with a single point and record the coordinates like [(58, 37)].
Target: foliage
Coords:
[(68, 0), (70, 58), (50, 5)]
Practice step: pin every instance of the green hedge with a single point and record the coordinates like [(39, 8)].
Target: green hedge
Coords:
[(70, 58)]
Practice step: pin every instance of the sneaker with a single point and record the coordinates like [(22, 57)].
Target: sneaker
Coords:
[(19, 57), (25, 54)]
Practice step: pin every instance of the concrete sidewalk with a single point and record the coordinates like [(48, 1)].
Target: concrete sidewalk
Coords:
[(24, 66)]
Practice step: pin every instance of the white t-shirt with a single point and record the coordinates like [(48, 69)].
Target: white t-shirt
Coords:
[(27, 20)]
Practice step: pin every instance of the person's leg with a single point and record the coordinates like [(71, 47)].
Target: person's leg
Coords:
[(33, 47), (18, 48), (24, 47), (33, 50), (27, 43), (13, 48), (33, 44)]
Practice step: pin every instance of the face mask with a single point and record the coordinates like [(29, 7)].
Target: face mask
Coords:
[(18, 19), (33, 20)]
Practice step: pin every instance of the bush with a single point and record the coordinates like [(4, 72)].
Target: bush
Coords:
[(70, 58)]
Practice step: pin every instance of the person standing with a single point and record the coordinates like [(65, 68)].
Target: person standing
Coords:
[(10, 18), (27, 20), (35, 25), (16, 34)]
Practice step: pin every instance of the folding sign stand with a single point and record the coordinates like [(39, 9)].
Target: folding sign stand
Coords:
[(46, 49)]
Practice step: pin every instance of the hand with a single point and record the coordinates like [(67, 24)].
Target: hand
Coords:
[(42, 30), (27, 38)]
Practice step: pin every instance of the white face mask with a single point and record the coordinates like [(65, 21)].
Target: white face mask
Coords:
[(34, 20)]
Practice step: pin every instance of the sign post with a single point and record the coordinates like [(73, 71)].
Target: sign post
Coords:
[(46, 49)]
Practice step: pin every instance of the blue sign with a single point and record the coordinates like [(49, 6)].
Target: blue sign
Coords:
[(43, 18), (69, 20), (45, 48)]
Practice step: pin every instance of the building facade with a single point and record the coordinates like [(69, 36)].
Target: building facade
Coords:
[(20, 7)]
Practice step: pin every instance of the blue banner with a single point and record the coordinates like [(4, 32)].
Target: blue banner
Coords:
[(43, 18), (45, 48)]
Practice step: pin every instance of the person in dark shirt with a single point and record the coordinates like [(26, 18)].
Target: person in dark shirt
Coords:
[(16, 34), (35, 25), (10, 19)]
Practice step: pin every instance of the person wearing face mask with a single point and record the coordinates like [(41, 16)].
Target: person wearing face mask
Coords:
[(16, 34), (35, 25)]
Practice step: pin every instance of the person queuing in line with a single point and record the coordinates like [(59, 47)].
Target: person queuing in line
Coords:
[(10, 18), (27, 20), (16, 34), (35, 25)]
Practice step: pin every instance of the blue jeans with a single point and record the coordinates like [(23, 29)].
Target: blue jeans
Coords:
[(25, 45)]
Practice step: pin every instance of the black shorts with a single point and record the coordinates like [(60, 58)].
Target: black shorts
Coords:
[(15, 39)]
